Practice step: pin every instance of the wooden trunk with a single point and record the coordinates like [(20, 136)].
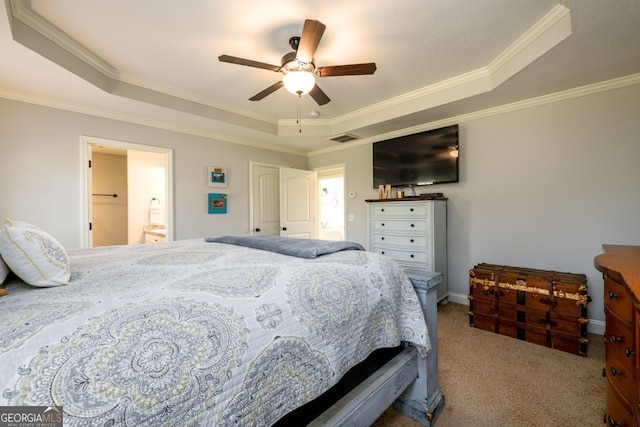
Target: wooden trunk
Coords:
[(539, 306)]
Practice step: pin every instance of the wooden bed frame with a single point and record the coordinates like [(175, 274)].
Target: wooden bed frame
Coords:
[(408, 381)]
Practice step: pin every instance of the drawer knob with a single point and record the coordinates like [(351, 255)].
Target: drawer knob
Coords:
[(412, 225), (613, 422), (615, 339), (411, 240), (615, 372), (628, 352), (382, 252), (382, 210), (382, 224), (612, 295), (412, 256), (411, 210), (382, 238)]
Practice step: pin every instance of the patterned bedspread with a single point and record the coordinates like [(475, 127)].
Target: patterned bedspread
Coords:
[(195, 333)]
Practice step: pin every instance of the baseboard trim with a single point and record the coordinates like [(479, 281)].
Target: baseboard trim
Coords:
[(594, 327)]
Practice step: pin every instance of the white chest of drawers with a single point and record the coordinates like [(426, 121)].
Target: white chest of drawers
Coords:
[(413, 232)]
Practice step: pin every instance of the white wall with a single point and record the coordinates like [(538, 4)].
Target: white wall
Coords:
[(40, 170), (542, 187)]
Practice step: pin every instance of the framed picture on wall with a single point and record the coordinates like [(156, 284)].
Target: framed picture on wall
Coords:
[(217, 203), (217, 177)]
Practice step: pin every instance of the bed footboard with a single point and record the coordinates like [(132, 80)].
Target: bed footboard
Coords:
[(407, 381), (363, 405), (422, 400)]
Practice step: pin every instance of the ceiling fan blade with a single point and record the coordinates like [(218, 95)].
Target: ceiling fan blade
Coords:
[(268, 91), (309, 40), (347, 70), (247, 62), (319, 96)]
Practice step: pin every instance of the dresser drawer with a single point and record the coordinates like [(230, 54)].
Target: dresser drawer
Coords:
[(154, 238), (420, 210), (617, 300), (417, 256), (417, 225), (621, 378), (619, 355), (617, 410), (413, 241), (619, 341)]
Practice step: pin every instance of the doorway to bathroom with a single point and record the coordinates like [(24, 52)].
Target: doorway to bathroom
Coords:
[(331, 184), (127, 195)]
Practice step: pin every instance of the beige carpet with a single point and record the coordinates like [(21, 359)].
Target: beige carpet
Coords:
[(492, 380)]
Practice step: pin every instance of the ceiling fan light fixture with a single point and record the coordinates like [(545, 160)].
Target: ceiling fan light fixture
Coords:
[(298, 69), (299, 82)]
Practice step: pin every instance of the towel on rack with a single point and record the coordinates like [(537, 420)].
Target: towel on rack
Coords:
[(155, 216)]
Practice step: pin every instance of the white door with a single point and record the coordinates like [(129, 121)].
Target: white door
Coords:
[(265, 199), (298, 203)]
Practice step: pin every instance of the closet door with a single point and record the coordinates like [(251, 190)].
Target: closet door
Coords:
[(265, 201), (283, 201)]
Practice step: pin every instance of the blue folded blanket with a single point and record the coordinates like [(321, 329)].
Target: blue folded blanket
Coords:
[(302, 248)]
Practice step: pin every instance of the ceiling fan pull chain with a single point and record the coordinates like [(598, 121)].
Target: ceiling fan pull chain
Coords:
[(299, 113)]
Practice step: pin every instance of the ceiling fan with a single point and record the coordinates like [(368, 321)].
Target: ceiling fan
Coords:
[(299, 70)]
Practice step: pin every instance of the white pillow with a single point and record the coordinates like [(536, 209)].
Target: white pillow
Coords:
[(4, 270), (33, 255)]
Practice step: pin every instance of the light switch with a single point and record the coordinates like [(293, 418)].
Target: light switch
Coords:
[(352, 195), (351, 217)]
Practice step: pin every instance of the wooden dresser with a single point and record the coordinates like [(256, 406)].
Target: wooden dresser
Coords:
[(413, 231), (620, 266)]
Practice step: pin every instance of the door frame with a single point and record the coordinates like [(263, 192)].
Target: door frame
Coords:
[(85, 181)]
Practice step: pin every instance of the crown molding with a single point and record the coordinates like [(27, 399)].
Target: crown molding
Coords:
[(545, 34), (587, 90), (537, 40), (75, 57), (426, 92), (31, 19), (189, 96), (143, 121), (560, 15)]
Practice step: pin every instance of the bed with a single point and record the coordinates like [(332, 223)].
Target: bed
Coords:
[(207, 333)]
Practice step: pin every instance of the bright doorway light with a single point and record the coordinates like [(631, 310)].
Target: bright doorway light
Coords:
[(331, 193)]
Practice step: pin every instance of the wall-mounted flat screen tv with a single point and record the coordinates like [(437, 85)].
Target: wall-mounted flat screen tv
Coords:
[(424, 158)]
